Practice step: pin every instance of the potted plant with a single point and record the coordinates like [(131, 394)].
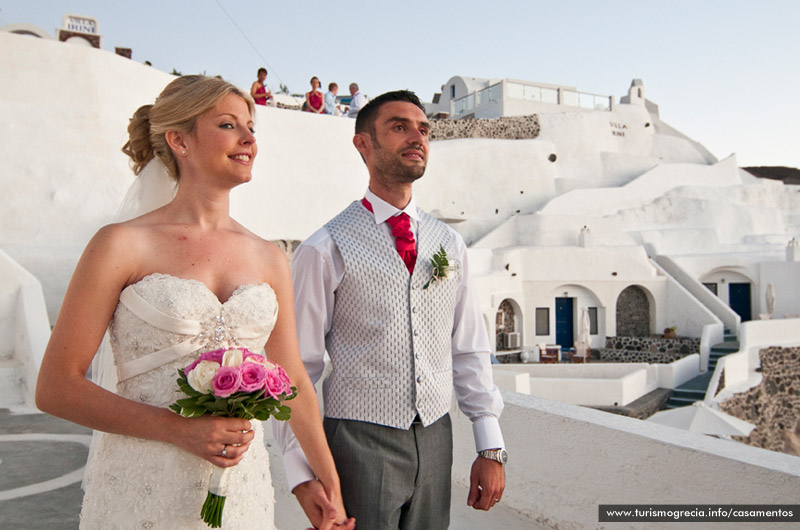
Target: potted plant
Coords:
[(669, 333)]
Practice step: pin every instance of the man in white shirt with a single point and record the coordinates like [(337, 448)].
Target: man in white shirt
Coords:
[(402, 332), (357, 101), (330, 100)]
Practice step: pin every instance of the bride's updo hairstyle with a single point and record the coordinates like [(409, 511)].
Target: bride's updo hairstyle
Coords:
[(176, 108)]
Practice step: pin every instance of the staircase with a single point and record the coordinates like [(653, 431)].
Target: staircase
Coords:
[(695, 389), (689, 392), (729, 345)]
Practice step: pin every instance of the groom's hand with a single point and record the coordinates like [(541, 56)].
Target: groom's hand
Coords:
[(487, 482), (321, 512)]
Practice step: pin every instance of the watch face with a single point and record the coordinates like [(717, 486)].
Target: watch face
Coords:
[(503, 456)]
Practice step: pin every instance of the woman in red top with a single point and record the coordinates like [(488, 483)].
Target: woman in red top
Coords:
[(315, 102), (259, 91)]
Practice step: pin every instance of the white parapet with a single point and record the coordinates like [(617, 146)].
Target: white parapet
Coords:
[(565, 461), (27, 330)]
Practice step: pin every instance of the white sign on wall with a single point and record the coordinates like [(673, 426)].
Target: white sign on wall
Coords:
[(81, 24)]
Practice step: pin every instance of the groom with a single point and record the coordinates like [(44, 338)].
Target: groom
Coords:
[(398, 342)]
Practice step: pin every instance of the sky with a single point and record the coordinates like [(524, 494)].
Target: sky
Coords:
[(724, 72)]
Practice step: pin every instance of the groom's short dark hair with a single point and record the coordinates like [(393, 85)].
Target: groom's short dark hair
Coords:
[(365, 120)]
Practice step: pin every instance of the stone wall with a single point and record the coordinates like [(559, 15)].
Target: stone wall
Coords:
[(510, 128), (633, 313), (653, 349), (774, 405)]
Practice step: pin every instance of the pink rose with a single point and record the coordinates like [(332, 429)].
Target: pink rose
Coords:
[(287, 384), (275, 384), (227, 381), (213, 356), (254, 376)]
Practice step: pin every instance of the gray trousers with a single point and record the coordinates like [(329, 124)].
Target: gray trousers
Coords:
[(391, 478)]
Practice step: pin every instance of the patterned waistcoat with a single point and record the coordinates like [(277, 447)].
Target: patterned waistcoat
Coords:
[(390, 339)]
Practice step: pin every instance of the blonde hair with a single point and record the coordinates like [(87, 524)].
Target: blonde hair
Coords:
[(176, 108)]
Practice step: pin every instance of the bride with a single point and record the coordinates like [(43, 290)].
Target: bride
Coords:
[(170, 284)]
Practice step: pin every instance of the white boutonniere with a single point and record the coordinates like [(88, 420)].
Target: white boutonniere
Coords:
[(442, 267)]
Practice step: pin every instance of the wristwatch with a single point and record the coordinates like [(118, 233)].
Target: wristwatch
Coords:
[(498, 455)]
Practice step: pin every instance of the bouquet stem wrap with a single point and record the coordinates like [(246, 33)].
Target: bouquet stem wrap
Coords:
[(215, 500)]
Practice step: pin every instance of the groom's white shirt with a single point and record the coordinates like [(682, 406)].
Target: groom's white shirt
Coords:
[(318, 269)]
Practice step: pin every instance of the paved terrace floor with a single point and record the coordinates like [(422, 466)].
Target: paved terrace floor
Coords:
[(41, 461)]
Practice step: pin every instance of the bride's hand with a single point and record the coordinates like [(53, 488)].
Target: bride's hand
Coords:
[(323, 512), (221, 441)]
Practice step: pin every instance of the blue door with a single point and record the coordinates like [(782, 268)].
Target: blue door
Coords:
[(739, 299), (564, 323)]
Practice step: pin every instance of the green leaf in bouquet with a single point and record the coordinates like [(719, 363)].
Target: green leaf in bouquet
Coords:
[(238, 398), (187, 402), (192, 411), (187, 389), (262, 415), (294, 394), (283, 413), (218, 405)]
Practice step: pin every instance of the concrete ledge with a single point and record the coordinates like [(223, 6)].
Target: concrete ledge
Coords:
[(566, 460)]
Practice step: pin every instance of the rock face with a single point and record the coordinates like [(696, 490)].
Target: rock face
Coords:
[(774, 405), (510, 128), (789, 175)]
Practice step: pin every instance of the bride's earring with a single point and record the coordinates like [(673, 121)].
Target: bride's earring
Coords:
[(183, 151)]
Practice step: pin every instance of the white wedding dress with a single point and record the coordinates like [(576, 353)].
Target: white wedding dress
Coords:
[(161, 324)]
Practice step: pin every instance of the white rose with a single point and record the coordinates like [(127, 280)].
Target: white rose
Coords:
[(202, 376), (233, 357)]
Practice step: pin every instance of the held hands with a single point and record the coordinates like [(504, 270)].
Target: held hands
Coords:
[(221, 441), (322, 512), (487, 482)]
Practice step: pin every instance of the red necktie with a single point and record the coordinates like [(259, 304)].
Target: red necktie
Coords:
[(403, 237)]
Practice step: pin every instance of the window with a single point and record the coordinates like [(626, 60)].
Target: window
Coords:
[(592, 321), (542, 320), (452, 91), (711, 287)]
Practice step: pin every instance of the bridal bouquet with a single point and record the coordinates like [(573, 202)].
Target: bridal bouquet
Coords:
[(235, 383)]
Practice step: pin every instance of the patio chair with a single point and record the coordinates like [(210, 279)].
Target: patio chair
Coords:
[(581, 353)]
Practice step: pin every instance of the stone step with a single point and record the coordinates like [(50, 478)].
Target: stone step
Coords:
[(677, 401), (728, 347), (693, 395), (12, 383)]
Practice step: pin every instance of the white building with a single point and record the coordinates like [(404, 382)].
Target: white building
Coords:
[(474, 97)]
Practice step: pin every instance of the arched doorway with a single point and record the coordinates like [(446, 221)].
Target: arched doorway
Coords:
[(507, 329), (633, 313)]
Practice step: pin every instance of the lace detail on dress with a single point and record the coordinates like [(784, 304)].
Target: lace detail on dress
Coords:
[(141, 484)]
